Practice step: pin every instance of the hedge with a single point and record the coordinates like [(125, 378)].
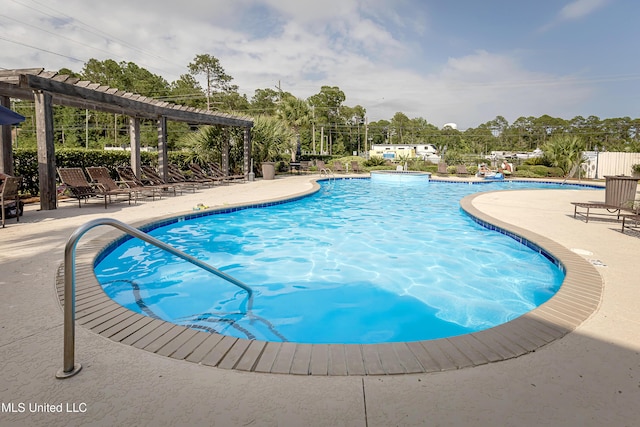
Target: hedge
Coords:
[(25, 162)]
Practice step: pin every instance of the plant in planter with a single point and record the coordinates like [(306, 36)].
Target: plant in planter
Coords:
[(270, 137), (635, 170)]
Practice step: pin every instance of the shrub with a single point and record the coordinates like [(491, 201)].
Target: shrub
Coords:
[(539, 170), (374, 161), (537, 161), (26, 162)]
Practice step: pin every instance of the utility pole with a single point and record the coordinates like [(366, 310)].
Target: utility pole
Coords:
[(208, 89), (279, 92), (366, 135), (313, 127), (86, 129)]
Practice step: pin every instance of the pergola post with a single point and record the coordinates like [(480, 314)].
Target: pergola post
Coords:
[(246, 167), (163, 157), (46, 150), (225, 150), (6, 150), (134, 140)]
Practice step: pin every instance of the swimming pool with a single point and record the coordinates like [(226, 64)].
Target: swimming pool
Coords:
[(295, 257)]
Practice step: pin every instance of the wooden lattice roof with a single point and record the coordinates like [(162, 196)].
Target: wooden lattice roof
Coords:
[(73, 92)]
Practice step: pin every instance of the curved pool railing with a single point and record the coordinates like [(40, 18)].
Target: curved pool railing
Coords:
[(70, 368)]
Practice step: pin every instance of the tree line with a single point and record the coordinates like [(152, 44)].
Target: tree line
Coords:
[(321, 123)]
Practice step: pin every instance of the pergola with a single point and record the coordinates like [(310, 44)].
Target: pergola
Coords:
[(48, 88)]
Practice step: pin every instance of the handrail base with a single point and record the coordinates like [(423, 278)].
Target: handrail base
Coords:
[(61, 374)]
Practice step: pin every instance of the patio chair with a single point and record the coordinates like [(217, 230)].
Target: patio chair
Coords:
[(338, 167), (77, 185), (442, 169), (305, 165), (322, 168), (101, 177), (129, 178), (153, 178), (9, 197), (355, 167)]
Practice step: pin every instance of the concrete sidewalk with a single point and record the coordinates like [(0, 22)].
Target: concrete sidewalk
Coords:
[(589, 377)]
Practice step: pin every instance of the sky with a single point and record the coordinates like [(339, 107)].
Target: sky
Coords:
[(447, 61)]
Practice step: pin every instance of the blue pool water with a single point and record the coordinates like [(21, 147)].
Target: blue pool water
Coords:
[(357, 262)]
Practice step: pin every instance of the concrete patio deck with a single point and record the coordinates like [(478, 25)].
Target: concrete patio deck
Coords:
[(589, 377)]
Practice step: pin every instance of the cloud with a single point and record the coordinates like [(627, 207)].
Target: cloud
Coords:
[(470, 90), (575, 10), (579, 9), (364, 51)]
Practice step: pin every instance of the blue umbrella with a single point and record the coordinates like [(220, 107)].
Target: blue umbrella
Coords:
[(9, 117)]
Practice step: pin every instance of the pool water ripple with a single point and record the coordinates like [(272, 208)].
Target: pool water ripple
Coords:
[(357, 262)]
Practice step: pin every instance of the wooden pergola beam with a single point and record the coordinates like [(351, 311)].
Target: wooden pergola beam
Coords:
[(130, 104), (48, 88)]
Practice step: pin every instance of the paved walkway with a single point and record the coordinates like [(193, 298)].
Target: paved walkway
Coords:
[(590, 377)]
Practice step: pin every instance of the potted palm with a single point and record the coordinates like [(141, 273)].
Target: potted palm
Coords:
[(270, 137)]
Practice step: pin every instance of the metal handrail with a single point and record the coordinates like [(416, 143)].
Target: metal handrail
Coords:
[(327, 172), (70, 368)]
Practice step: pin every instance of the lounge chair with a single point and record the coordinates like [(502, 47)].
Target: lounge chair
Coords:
[(79, 188), (338, 167), (618, 198), (631, 222), (355, 167), (153, 178), (484, 171), (101, 177), (201, 175), (9, 197), (129, 178), (587, 206), (507, 168), (176, 176), (77, 185), (461, 170), (217, 171)]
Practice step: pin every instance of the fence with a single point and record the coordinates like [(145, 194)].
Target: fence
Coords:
[(599, 165)]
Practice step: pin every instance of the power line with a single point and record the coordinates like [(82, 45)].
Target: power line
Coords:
[(40, 49), (92, 30), (55, 34)]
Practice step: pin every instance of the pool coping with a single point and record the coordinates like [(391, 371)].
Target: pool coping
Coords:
[(577, 299)]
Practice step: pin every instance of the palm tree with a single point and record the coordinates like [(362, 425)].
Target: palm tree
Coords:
[(269, 137), (297, 114), (205, 144), (564, 152)]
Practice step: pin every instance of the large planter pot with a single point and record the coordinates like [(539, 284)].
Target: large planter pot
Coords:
[(268, 170)]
